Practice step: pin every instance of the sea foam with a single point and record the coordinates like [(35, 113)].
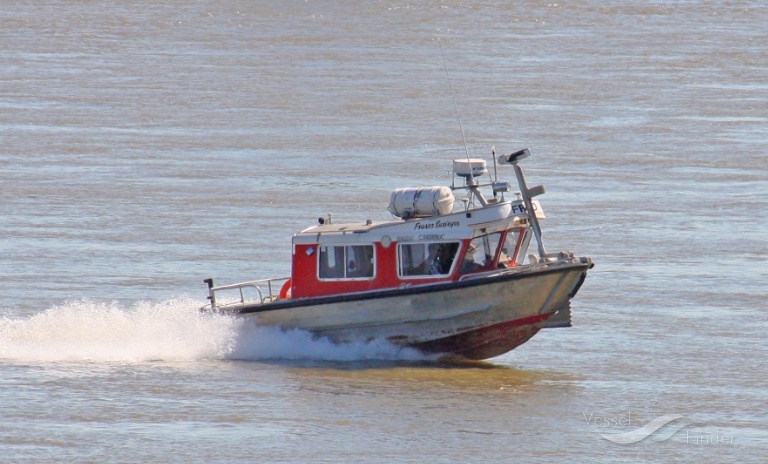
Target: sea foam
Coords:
[(172, 330)]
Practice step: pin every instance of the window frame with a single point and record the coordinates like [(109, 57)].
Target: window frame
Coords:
[(345, 259), (399, 259)]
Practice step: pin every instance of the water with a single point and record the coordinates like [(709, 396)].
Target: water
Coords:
[(147, 147)]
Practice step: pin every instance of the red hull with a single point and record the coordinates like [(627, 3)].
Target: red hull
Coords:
[(487, 342)]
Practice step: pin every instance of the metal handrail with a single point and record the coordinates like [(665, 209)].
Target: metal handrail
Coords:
[(272, 293)]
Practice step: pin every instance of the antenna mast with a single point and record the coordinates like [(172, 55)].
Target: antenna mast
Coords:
[(455, 106)]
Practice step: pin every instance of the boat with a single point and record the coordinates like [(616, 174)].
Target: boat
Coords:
[(445, 277)]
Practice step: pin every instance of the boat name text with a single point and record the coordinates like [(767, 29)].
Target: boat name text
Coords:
[(436, 225)]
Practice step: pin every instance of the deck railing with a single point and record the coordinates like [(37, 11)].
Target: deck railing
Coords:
[(268, 290)]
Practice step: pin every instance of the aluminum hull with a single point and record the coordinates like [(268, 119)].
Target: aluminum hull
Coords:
[(478, 318)]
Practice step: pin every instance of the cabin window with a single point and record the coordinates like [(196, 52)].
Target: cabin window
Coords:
[(427, 259), (481, 253), (508, 249), (525, 241), (346, 262)]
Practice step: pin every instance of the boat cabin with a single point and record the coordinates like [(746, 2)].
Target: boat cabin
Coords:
[(430, 243), (348, 258)]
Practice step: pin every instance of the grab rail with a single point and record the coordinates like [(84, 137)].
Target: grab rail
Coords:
[(271, 292)]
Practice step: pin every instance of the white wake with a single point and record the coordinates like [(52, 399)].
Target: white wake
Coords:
[(173, 330)]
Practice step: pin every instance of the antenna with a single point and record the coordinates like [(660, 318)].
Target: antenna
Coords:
[(455, 106), (495, 172)]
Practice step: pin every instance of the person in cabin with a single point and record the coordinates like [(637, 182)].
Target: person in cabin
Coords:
[(437, 264), (443, 258)]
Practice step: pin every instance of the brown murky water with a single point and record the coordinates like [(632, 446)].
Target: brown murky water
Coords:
[(148, 146)]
